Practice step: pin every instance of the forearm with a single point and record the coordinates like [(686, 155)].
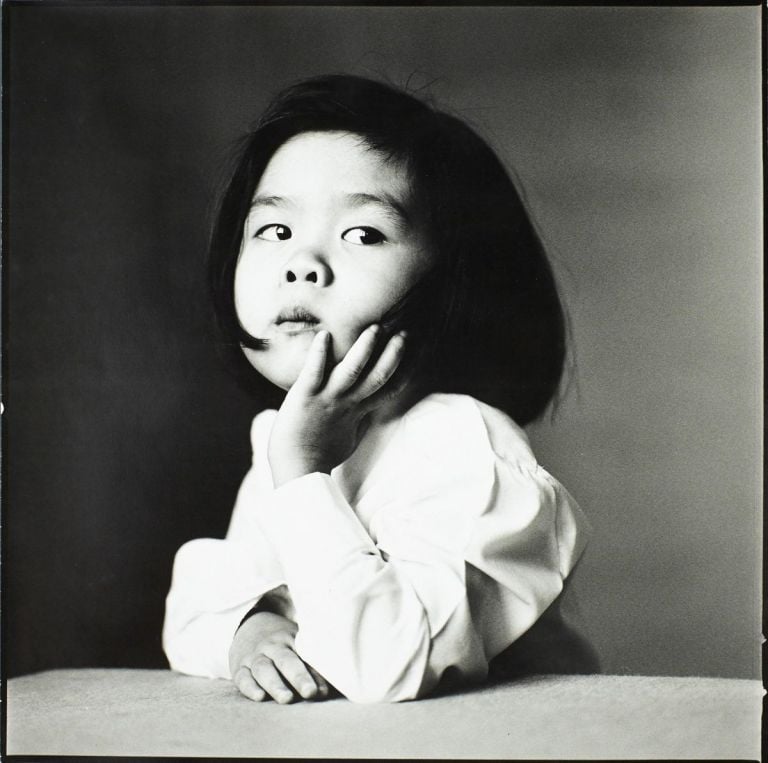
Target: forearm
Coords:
[(361, 622), (371, 640), (214, 584), (200, 646)]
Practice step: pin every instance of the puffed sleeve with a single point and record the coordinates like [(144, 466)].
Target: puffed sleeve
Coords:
[(215, 582), (468, 542)]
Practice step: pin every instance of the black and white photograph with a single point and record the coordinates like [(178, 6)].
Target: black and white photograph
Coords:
[(382, 381)]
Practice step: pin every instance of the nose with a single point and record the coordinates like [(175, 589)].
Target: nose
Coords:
[(308, 267)]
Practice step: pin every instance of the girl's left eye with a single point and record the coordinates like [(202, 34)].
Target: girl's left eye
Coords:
[(364, 236)]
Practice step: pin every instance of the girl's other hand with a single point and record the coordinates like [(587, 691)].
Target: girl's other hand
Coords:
[(263, 662), (321, 421)]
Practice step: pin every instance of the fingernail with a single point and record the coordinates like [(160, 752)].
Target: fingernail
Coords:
[(284, 696), (374, 328)]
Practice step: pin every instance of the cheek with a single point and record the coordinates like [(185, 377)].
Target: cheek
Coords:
[(250, 302), (413, 264), (371, 299), (344, 337), (394, 285)]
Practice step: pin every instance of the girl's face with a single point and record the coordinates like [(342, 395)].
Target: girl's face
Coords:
[(330, 243)]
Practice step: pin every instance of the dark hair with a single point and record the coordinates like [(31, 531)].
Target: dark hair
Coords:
[(486, 320)]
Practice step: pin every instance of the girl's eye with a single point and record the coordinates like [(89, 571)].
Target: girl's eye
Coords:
[(274, 232), (364, 235)]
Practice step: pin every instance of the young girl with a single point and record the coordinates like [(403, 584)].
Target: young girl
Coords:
[(394, 534)]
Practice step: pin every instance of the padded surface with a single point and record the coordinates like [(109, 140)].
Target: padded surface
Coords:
[(155, 712)]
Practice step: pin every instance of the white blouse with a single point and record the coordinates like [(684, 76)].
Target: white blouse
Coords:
[(436, 545)]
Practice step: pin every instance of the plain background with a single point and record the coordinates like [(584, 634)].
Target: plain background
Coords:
[(636, 135)]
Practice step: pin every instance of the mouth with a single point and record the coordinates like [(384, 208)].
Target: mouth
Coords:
[(296, 320)]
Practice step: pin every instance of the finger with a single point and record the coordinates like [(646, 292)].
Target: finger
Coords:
[(267, 677), (247, 686), (293, 670), (382, 371), (323, 689), (311, 376), (352, 365), (389, 392)]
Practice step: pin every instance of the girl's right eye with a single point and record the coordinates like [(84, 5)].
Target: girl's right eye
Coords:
[(274, 232)]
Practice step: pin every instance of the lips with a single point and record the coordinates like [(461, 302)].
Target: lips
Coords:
[(297, 319)]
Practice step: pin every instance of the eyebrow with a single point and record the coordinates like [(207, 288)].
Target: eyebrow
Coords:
[(268, 201), (391, 206)]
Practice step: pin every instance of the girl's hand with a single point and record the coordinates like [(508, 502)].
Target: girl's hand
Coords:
[(263, 663), (321, 422)]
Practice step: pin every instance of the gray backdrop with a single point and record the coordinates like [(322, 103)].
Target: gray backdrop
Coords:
[(635, 132)]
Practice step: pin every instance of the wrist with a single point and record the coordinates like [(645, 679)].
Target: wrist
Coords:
[(287, 469), (277, 601)]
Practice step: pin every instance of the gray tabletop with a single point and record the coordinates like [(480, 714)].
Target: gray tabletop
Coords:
[(155, 712)]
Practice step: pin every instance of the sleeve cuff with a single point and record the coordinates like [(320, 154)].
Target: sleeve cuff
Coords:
[(278, 601)]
